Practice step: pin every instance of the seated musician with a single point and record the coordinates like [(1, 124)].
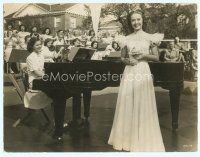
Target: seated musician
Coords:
[(194, 66), (59, 40), (35, 99), (90, 40), (172, 54), (34, 32), (46, 34), (68, 36), (112, 48), (8, 31), (26, 40), (22, 33), (13, 42), (76, 43), (97, 54), (49, 52), (179, 46)]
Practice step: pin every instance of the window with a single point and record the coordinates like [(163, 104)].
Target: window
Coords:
[(72, 22), (57, 22)]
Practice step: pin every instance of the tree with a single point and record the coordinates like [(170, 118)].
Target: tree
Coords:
[(158, 17)]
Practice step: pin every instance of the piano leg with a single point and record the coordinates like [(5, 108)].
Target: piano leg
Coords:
[(175, 101), (76, 107), (59, 106), (86, 101)]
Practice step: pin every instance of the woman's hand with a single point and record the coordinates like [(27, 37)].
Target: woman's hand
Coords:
[(133, 61), (128, 61), (139, 56)]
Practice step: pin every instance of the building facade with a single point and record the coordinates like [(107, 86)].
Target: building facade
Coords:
[(55, 17)]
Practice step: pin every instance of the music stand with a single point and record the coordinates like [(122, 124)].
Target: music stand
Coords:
[(116, 54), (113, 56), (80, 54), (66, 50), (18, 55)]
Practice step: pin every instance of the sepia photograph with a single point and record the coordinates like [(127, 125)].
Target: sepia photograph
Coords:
[(100, 77)]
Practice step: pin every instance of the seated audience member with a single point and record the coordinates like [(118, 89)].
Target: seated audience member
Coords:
[(98, 55), (68, 36), (172, 54), (90, 40), (178, 45), (35, 35), (26, 40), (48, 54), (23, 66), (194, 66), (115, 46), (12, 42), (91, 34), (34, 32), (8, 31), (109, 39), (46, 34), (112, 48), (59, 40), (22, 33), (76, 43)]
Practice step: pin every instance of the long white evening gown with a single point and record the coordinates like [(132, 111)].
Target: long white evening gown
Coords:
[(136, 126)]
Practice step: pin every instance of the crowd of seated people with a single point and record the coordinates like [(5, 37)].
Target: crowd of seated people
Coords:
[(104, 44), (19, 39), (174, 51)]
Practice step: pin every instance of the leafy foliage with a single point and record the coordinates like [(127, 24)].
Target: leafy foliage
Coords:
[(157, 18)]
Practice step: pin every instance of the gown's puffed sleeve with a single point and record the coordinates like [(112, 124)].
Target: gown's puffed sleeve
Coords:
[(156, 38)]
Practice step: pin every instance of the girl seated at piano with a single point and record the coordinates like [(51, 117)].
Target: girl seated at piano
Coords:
[(35, 99), (49, 52)]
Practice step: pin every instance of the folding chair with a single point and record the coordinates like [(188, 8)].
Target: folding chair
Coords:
[(21, 92)]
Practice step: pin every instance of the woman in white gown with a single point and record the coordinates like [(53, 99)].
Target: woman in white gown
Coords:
[(136, 126)]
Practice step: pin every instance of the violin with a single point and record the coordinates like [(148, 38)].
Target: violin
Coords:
[(52, 48)]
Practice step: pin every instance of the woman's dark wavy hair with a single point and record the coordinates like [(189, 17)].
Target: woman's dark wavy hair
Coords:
[(47, 40), (76, 39), (90, 32), (46, 29), (129, 18), (118, 47), (94, 43), (32, 29), (26, 38), (31, 43), (21, 27)]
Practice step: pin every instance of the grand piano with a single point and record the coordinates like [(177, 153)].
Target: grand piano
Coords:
[(61, 82)]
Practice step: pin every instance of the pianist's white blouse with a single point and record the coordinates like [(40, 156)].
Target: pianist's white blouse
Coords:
[(35, 99)]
